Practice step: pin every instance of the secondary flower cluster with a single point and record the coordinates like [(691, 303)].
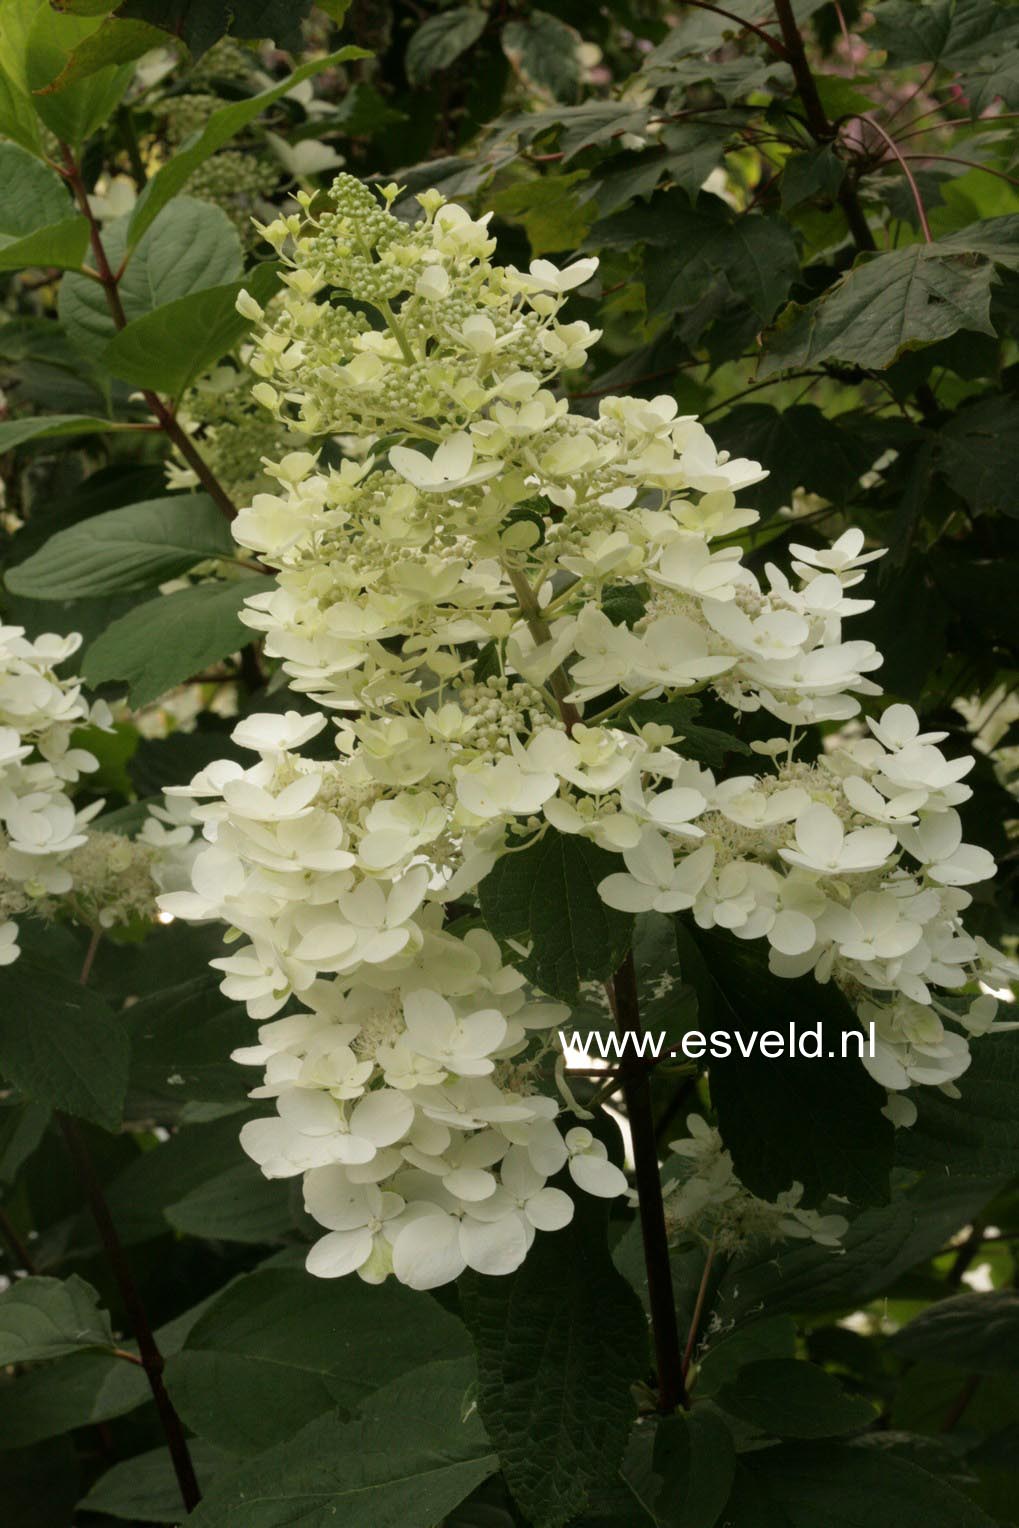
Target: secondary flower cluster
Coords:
[(41, 830), (709, 1201), (479, 595)]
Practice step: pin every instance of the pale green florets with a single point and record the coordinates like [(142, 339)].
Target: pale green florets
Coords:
[(235, 438), (235, 182)]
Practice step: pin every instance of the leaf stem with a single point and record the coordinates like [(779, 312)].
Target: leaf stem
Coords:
[(636, 1084), (150, 1358), (110, 282), (893, 148), (698, 1310), (541, 632), (744, 25)]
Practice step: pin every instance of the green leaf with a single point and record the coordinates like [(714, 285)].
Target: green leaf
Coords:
[(691, 245), (978, 456), (62, 245), (236, 1206), (559, 1344), (18, 120), (979, 1132), (124, 549), (793, 1399), (116, 42), (72, 1392), (145, 1489), (881, 1245), (817, 1122), (76, 109), (223, 125), (415, 1452), (181, 1039), (547, 895), (544, 52), (163, 642), (805, 1485), (60, 1043), (976, 1332), (22, 1127), (771, 1337), (16, 432), (802, 447), (200, 23), (193, 245), (280, 1348), (816, 173), (886, 304), (38, 223), (440, 40), (548, 209), (47, 1318), (691, 1469), (165, 350)]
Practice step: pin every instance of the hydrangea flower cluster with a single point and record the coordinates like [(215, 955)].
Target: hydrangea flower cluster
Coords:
[(41, 829), (479, 595), (709, 1201)]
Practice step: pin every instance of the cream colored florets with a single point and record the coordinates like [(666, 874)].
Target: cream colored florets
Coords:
[(477, 598)]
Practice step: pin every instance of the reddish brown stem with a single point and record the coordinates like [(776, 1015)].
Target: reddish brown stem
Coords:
[(636, 1081), (151, 1359), (893, 149), (817, 120), (110, 282), (698, 1310)]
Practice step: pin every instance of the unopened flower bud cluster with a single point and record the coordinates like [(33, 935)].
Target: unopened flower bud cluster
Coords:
[(452, 597)]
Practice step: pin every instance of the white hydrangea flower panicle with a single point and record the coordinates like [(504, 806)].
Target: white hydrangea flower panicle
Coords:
[(477, 599), (40, 827)]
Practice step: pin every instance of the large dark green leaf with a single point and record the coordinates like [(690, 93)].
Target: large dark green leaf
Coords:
[(548, 895), (60, 1043), (165, 350), (802, 449), (145, 1490), (48, 1318), (280, 1348), (977, 449), (181, 1039), (415, 1451), (979, 1132), (440, 40), (684, 1469), (978, 1332), (38, 222), (888, 303), (805, 1485), (792, 1399), (692, 244), (559, 1344), (237, 1206), (789, 1119), (126, 549), (166, 640), (193, 245)]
